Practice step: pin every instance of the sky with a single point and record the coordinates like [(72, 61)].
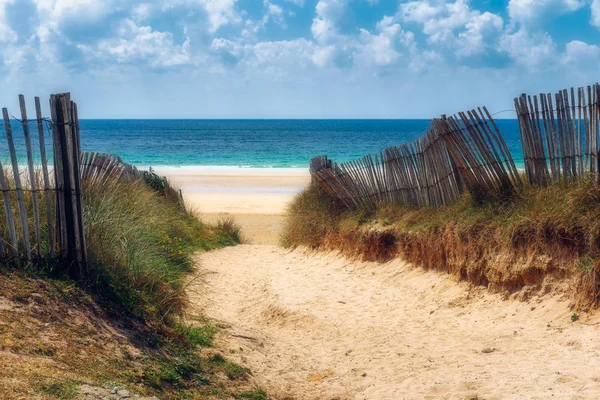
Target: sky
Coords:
[(294, 58)]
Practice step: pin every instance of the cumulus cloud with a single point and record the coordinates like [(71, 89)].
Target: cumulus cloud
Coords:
[(328, 13), (454, 25), (581, 54), (272, 40), (534, 11), (380, 48), (595, 8), (137, 44), (7, 35), (533, 51)]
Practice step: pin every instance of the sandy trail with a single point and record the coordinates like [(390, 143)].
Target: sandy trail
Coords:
[(317, 326)]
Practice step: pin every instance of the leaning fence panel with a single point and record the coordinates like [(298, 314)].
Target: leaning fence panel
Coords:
[(464, 152)]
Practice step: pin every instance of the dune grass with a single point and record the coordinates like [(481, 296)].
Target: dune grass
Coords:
[(539, 238), (140, 242), (141, 245)]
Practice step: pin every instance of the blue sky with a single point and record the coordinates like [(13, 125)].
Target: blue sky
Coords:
[(294, 58)]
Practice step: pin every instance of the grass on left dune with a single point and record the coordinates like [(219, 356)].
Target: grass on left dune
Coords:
[(141, 244)]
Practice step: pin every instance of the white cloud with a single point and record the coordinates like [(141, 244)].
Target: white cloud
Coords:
[(7, 35), (273, 13), (535, 11), (328, 12), (529, 50), (419, 11), (142, 11), (143, 44), (61, 9), (219, 12), (279, 58), (324, 56), (595, 8), (581, 53), (480, 33), (454, 25), (380, 49)]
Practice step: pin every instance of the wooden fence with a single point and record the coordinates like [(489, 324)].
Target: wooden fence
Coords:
[(41, 202), (463, 152), (99, 167), (560, 138)]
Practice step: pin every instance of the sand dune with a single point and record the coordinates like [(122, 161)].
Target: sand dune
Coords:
[(317, 326)]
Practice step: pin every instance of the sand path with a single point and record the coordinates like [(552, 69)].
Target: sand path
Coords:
[(317, 326)]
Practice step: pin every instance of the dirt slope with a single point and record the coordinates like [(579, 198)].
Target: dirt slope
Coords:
[(317, 326)]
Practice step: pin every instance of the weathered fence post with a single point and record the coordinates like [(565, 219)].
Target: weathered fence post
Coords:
[(32, 182), (17, 178), (47, 190), (69, 218)]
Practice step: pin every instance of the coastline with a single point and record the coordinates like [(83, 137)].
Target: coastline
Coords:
[(256, 197)]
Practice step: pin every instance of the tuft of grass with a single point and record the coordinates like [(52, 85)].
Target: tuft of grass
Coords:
[(61, 390), (253, 395), (534, 237), (311, 217), (231, 370), (228, 231), (202, 336), (574, 317)]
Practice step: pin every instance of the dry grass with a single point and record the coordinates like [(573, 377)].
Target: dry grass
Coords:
[(120, 325), (140, 242), (140, 245), (540, 239), (54, 339)]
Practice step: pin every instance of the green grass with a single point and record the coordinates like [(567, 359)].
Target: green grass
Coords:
[(61, 390), (197, 336), (254, 395), (232, 370), (141, 245)]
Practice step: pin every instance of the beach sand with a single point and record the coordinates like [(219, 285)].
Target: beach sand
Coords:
[(318, 326), (255, 197)]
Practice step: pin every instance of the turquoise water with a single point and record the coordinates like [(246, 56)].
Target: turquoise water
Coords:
[(248, 143)]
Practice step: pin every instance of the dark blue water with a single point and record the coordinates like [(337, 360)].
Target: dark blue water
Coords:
[(247, 143)]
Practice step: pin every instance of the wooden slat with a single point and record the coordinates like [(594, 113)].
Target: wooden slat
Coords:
[(46, 177), (18, 187), (32, 182), (9, 215)]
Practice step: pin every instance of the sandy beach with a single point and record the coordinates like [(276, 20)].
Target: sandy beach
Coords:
[(319, 326), (256, 197)]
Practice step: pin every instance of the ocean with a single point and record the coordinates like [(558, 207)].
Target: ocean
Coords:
[(247, 143)]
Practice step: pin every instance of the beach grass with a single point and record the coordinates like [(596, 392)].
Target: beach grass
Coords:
[(141, 244), (538, 239)]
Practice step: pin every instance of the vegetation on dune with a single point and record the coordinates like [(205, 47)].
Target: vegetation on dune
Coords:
[(538, 238), (57, 339), (141, 244)]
